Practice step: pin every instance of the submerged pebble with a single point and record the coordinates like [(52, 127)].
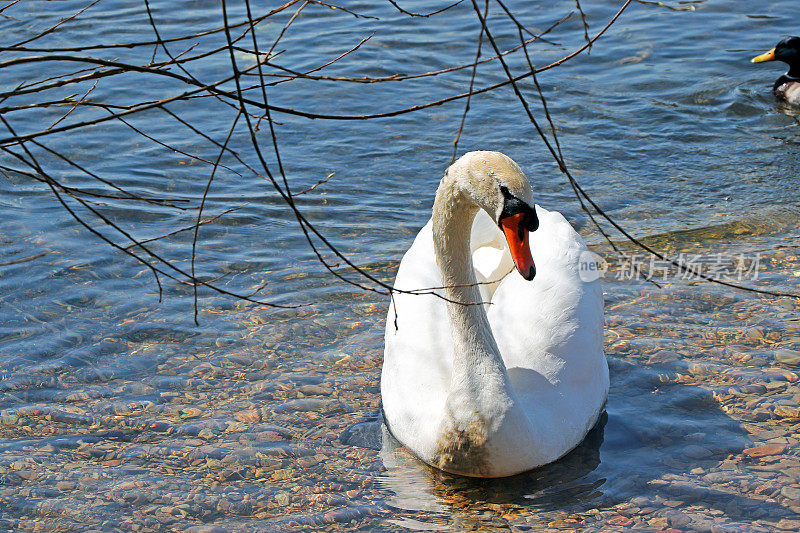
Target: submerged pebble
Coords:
[(788, 357)]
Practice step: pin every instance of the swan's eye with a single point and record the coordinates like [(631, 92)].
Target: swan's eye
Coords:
[(514, 206), (531, 220)]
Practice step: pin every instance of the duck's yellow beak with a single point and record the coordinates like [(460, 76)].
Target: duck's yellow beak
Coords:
[(766, 56)]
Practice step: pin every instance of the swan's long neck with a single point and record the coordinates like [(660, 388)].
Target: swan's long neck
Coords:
[(479, 375)]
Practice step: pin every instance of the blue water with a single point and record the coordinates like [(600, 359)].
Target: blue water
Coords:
[(665, 123)]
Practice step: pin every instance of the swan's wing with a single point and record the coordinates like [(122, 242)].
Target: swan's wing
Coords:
[(417, 357), (550, 334), (490, 257)]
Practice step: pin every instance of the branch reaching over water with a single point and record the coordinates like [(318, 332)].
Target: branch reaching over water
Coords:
[(77, 97)]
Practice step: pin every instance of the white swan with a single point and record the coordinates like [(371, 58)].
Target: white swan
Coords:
[(496, 389)]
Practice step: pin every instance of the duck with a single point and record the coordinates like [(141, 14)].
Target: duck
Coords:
[(787, 87), (493, 349)]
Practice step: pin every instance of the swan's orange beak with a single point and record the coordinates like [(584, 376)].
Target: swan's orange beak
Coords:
[(517, 238)]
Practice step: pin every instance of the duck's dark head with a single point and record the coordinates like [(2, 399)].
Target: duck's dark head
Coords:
[(788, 51)]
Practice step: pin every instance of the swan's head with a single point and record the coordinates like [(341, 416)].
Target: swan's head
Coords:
[(496, 184)]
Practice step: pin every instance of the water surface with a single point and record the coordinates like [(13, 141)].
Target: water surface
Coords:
[(119, 411)]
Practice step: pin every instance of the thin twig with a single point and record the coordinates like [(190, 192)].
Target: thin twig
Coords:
[(24, 259), (423, 15), (471, 85)]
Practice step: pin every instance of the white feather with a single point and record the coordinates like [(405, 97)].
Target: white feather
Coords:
[(553, 381)]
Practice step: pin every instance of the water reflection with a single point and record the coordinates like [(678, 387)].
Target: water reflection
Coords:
[(549, 487), (788, 109)]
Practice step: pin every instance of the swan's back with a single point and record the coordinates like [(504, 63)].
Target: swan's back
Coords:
[(550, 335)]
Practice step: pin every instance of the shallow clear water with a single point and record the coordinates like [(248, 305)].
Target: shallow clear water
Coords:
[(119, 411)]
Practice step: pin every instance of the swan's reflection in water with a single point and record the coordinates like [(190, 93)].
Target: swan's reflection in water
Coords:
[(417, 487)]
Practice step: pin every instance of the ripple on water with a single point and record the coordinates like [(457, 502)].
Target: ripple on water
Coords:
[(117, 411)]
